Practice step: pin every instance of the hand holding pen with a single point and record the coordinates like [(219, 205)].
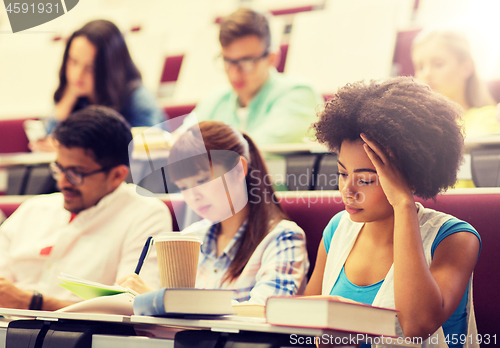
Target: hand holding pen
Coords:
[(133, 281)]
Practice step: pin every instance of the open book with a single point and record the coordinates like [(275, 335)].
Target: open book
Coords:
[(119, 304), (87, 289), (331, 312)]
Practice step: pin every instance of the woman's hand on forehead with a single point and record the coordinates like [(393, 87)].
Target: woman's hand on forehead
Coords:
[(391, 179)]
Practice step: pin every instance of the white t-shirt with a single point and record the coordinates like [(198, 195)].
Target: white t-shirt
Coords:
[(101, 244)]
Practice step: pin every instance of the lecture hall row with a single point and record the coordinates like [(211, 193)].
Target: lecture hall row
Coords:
[(177, 81), (183, 74)]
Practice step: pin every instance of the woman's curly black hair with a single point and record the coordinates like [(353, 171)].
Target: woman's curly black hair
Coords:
[(417, 128)]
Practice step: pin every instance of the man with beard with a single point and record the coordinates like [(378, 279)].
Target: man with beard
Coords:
[(95, 228)]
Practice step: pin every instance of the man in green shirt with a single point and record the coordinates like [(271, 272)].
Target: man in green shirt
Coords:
[(269, 106)]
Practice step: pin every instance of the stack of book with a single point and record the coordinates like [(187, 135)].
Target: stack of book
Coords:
[(320, 312)]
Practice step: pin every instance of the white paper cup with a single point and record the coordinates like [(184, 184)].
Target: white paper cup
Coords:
[(177, 259)]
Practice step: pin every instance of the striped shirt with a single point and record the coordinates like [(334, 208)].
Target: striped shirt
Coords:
[(277, 267)]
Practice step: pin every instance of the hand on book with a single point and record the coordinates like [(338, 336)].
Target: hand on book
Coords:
[(134, 282)]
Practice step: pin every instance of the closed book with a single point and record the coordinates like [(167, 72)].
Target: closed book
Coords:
[(331, 312), (184, 301)]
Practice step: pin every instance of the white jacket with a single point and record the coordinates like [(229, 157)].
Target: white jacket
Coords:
[(102, 243)]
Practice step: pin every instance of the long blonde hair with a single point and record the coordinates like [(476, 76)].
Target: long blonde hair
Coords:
[(476, 92)]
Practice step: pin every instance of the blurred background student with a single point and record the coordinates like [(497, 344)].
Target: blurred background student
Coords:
[(269, 106), (97, 70), (443, 60), (249, 243)]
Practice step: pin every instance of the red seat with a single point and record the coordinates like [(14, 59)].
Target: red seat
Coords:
[(173, 113), (402, 52), (177, 207), (178, 110), (283, 51), (481, 211), (171, 68), (294, 10), (177, 210), (301, 206), (280, 12), (312, 210), (12, 136), (9, 208)]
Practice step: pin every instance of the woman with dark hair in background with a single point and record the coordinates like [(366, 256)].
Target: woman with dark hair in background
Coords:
[(249, 245), (97, 70)]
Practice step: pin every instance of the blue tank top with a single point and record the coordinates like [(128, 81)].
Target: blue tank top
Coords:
[(456, 324)]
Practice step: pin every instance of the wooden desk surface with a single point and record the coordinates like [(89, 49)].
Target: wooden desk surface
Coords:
[(482, 141), (313, 147), (33, 158), (230, 324), (26, 159), (283, 149)]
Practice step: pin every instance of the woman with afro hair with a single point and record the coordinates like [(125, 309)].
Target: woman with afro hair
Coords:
[(396, 139)]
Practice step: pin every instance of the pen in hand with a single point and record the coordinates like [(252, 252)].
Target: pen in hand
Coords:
[(144, 254)]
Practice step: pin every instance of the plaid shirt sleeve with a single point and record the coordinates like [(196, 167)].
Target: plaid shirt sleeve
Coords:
[(283, 264)]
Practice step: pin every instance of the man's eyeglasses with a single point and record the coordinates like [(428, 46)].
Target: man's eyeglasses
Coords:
[(74, 176), (245, 64)]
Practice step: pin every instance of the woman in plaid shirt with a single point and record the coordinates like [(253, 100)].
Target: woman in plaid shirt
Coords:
[(249, 245)]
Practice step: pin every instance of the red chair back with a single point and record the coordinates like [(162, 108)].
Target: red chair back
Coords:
[(12, 136)]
